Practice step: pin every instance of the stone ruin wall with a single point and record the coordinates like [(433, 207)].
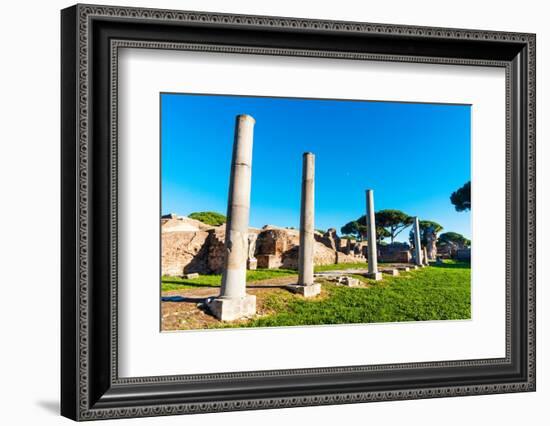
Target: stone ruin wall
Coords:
[(190, 246), (184, 250), (396, 252)]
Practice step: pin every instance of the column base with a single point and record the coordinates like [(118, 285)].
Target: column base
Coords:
[(392, 272), (376, 276), (232, 309), (311, 290)]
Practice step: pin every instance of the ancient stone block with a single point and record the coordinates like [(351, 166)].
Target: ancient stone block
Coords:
[(376, 276), (233, 308), (191, 276), (349, 281), (252, 264), (311, 290), (391, 271)]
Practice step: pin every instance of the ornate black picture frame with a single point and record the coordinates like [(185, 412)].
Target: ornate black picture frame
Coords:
[(91, 388)]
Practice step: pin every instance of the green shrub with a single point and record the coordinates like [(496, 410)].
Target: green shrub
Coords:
[(209, 218)]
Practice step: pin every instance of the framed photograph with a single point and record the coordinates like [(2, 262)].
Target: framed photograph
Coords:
[(263, 212)]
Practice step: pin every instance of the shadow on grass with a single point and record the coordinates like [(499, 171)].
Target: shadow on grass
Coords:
[(453, 265), (193, 283), (214, 280), (267, 286), (199, 302), (183, 299), (269, 273), (203, 285)]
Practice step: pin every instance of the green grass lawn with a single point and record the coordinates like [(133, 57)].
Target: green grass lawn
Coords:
[(434, 293), (343, 266), (340, 266), (177, 283)]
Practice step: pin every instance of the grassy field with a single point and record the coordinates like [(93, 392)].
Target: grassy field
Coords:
[(434, 293), (176, 283), (440, 292), (341, 266)]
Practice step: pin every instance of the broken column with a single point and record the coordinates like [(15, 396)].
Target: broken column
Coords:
[(372, 258), (306, 285), (233, 302), (431, 240), (425, 257), (252, 262), (417, 247), (347, 249)]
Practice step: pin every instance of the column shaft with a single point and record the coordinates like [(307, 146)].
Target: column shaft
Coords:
[(417, 246), (238, 211), (307, 221), (371, 234)]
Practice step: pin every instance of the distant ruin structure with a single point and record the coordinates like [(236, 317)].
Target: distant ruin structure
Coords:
[(395, 252)]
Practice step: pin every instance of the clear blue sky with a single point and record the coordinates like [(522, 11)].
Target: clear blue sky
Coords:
[(413, 156)]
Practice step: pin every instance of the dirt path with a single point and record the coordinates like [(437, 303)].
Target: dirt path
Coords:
[(184, 309)]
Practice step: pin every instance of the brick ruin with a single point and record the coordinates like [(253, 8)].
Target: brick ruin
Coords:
[(189, 246)]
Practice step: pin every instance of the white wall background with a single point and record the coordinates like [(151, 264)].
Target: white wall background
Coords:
[(29, 213)]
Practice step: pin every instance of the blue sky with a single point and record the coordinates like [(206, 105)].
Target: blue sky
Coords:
[(413, 156)]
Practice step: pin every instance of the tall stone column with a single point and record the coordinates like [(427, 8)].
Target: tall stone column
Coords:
[(233, 302), (306, 285), (417, 246), (372, 253)]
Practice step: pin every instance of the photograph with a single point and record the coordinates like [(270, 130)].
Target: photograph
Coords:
[(267, 209), (282, 212)]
